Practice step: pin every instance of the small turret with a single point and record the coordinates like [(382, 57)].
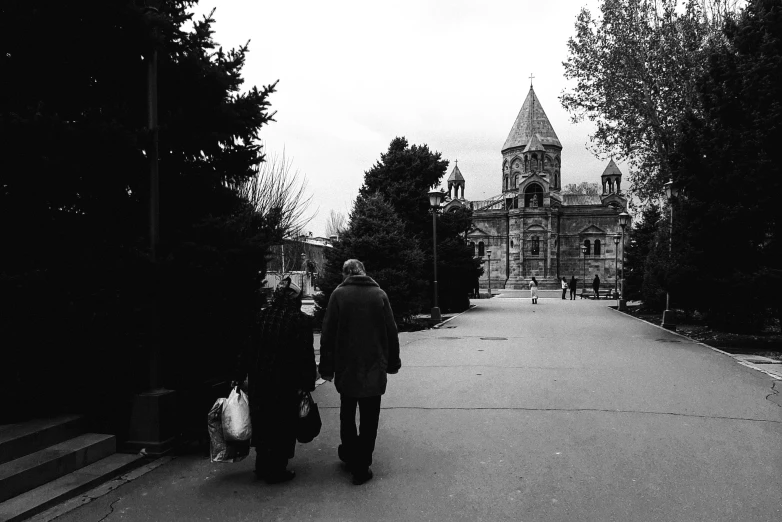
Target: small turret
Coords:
[(611, 179), (455, 181)]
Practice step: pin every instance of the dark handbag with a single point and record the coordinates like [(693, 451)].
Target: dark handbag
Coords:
[(309, 423)]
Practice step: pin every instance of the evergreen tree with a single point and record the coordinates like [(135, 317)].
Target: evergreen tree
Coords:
[(80, 298), (639, 243), (404, 176), (727, 220), (377, 237)]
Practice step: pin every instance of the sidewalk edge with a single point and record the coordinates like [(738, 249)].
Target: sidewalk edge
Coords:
[(743, 363), (438, 325)]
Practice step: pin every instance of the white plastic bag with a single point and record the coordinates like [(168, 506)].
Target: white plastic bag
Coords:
[(236, 417), (220, 450)]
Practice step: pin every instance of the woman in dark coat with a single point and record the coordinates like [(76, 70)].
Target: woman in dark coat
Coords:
[(279, 362), (596, 286)]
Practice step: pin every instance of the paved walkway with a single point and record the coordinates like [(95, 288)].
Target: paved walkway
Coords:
[(561, 411)]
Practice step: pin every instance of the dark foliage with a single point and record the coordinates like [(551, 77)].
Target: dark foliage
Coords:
[(727, 220), (639, 244), (377, 237), (81, 302), (404, 176)]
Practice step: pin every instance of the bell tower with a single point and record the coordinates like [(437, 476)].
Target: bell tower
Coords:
[(455, 182)]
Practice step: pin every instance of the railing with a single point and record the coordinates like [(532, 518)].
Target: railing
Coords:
[(495, 203)]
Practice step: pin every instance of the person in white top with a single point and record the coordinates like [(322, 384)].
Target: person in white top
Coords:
[(533, 289)]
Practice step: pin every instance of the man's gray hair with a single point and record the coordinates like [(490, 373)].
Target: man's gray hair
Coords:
[(353, 267)]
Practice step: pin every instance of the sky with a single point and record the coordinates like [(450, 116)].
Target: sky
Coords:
[(453, 75)]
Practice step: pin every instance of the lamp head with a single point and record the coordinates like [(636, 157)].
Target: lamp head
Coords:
[(435, 198), (616, 239), (624, 219), (488, 253), (584, 249)]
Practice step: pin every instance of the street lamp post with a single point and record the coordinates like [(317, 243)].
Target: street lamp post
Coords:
[(669, 316), (435, 198), (303, 267), (624, 220), (151, 427), (584, 250), (488, 255), (616, 267)]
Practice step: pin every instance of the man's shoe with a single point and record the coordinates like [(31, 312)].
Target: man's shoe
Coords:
[(362, 477), (277, 478)]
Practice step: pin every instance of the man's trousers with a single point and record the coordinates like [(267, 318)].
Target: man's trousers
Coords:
[(359, 445)]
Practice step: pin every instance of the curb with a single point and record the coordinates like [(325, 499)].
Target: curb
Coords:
[(438, 325), (743, 363)]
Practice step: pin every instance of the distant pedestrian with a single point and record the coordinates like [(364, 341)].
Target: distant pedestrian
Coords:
[(279, 361), (359, 345), (533, 290), (564, 287), (596, 286), (573, 284)]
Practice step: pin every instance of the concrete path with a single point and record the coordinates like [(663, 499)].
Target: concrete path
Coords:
[(561, 411)]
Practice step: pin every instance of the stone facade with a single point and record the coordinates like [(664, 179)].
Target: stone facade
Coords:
[(531, 228)]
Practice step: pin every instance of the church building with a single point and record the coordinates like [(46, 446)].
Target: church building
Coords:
[(531, 228)]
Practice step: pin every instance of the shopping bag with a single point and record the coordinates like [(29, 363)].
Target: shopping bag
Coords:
[(309, 423), (221, 450), (236, 417)]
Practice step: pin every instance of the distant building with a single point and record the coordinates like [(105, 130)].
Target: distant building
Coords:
[(287, 260), (531, 228)]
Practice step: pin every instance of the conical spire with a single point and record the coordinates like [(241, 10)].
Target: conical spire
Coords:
[(531, 121), (456, 174), (612, 169)]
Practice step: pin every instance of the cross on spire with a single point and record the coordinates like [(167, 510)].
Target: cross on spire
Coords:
[(530, 80)]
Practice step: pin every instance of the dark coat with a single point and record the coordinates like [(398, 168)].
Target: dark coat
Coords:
[(279, 361), (573, 283), (359, 344), (596, 284)]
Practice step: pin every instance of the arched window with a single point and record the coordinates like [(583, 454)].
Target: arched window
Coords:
[(472, 246), (535, 248), (480, 249), (511, 243), (533, 196), (588, 244), (597, 247)]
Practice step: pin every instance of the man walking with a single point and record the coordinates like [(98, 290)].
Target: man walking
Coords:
[(359, 345), (596, 286), (573, 283)]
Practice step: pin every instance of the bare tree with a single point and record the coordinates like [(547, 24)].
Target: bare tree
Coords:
[(336, 223), (584, 188), (278, 206), (278, 195)]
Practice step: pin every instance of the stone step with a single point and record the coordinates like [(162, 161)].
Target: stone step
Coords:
[(33, 470), (18, 440), (68, 486)]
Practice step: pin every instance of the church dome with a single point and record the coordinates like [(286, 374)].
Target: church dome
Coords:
[(531, 122)]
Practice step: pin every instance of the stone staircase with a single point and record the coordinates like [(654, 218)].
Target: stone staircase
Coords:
[(544, 283), (47, 461)]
